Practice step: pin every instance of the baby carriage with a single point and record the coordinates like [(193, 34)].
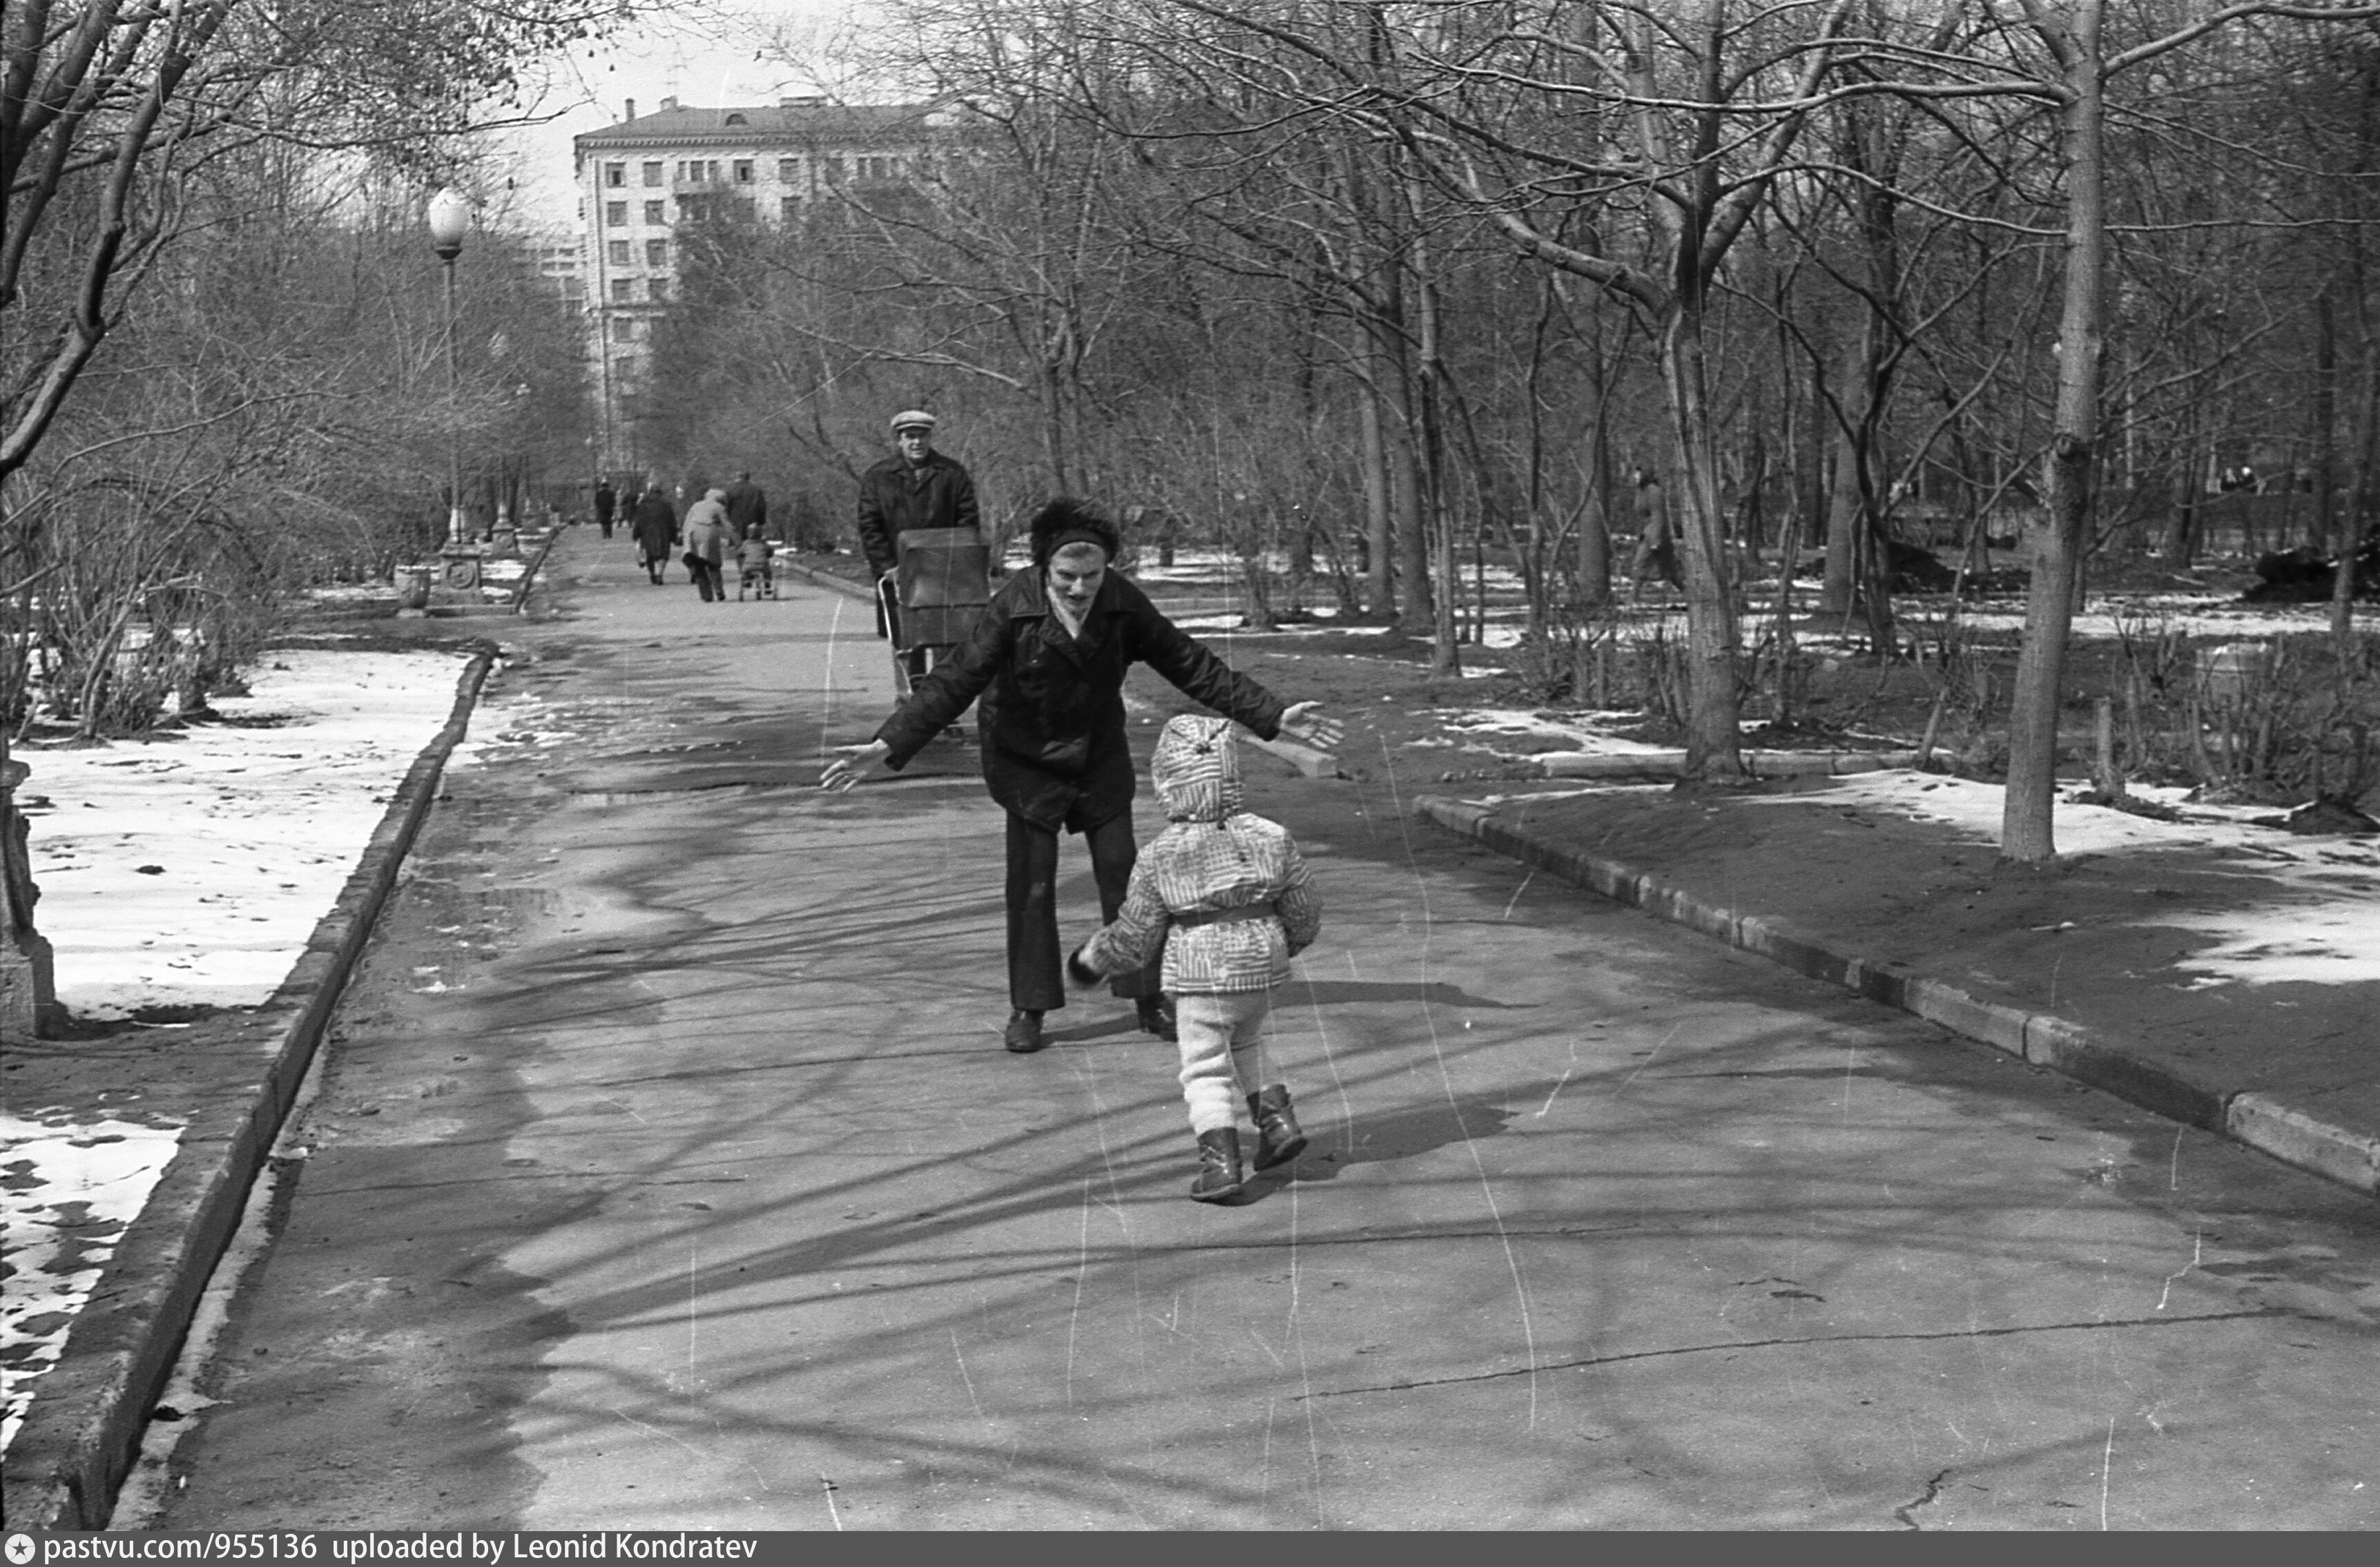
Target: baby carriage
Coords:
[(760, 573), (932, 596)]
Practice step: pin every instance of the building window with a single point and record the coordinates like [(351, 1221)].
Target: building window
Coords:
[(656, 214), (876, 168), (656, 252), (789, 171), (615, 215), (657, 289), (617, 252), (623, 368), (834, 171), (694, 209), (789, 209), (615, 174), (742, 170), (624, 290), (654, 174)]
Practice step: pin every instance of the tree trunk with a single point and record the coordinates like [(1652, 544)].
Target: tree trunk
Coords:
[(2359, 494), (1380, 533), (1595, 521), (2328, 531), (2025, 822), (1416, 613), (1430, 398), (1714, 732)]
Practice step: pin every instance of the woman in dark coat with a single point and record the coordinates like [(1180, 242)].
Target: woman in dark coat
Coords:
[(1047, 658), (655, 530)]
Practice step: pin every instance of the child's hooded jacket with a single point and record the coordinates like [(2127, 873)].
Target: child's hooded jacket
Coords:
[(1215, 858)]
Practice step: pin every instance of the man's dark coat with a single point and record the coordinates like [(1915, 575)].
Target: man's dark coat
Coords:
[(1052, 717), (656, 525), (895, 498), (747, 507)]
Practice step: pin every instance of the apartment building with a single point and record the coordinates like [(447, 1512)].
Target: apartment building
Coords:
[(645, 178), (556, 255)]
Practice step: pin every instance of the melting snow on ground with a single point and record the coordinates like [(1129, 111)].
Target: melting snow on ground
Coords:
[(182, 873), (67, 1194), (191, 871), (2316, 922)]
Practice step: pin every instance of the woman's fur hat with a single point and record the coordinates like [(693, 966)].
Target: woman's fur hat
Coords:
[(1069, 521)]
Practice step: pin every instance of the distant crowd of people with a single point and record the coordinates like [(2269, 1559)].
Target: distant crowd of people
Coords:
[(724, 523)]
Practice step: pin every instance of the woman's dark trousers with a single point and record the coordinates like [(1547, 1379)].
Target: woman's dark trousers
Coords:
[(1033, 953)]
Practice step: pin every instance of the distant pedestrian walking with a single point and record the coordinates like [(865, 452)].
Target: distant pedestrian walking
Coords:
[(747, 507), (607, 501), (656, 531), (706, 544), (1226, 897), (1656, 548)]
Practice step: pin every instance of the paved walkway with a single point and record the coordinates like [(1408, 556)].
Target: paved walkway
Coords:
[(665, 1172)]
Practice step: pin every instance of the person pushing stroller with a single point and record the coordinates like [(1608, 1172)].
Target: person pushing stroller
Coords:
[(1230, 899)]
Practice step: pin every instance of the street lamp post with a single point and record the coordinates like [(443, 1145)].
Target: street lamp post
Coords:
[(450, 219)]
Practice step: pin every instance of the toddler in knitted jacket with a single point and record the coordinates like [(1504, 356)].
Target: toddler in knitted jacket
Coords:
[(1230, 899)]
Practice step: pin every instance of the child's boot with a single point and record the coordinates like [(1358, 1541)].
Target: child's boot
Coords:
[(1220, 1177), (1278, 1138)]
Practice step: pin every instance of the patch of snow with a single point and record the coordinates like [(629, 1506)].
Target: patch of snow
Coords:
[(192, 871), (1579, 728), (68, 1193), (2308, 927)]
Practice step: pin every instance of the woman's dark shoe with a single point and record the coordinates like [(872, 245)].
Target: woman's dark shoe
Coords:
[(1024, 1035), (1219, 1178), (1278, 1138), (1157, 1017)]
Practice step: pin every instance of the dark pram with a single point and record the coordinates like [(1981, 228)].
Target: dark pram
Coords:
[(932, 600)]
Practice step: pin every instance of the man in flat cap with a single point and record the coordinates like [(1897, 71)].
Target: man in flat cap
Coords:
[(916, 487)]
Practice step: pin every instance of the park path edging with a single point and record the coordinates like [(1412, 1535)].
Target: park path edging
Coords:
[(2291, 1135), (82, 1431)]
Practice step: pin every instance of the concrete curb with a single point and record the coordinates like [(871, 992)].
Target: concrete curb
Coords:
[(828, 579), (82, 1431), (2291, 1135)]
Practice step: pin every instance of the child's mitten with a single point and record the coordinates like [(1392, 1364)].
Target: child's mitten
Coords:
[(1084, 976)]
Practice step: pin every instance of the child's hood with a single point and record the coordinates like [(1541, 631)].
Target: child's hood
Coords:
[(1197, 769)]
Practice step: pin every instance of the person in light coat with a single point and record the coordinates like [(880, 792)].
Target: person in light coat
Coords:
[(1226, 897), (707, 540)]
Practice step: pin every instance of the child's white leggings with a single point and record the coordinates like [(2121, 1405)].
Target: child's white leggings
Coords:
[(1222, 1053)]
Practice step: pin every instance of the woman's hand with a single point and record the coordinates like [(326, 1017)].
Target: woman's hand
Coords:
[(1304, 722), (855, 764)]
